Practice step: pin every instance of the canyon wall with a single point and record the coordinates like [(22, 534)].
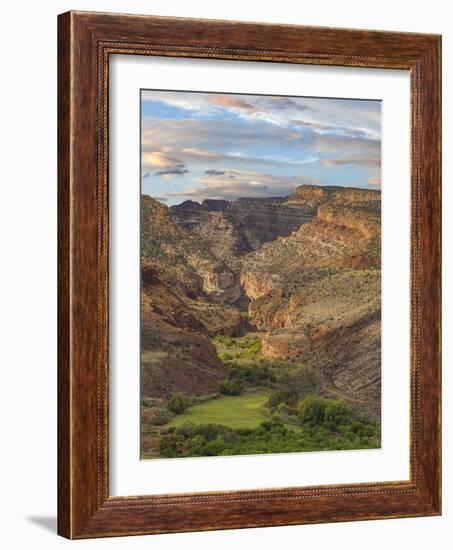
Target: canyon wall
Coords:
[(255, 220), (306, 268)]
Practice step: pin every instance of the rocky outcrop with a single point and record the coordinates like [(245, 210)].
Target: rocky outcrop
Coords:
[(253, 286), (275, 310), (316, 293), (255, 220), (263, 220), (275, 347), (222, 235), (176, 308), (364, 224), (314, 195), (307, 267), (311, 195), (221, 285)]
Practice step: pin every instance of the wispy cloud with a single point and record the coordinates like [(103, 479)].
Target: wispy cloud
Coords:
[(230, 101), (214, 172), (375, 181), (176, 171), (340, 151), (230, 145), (167, 165), (233, 184)]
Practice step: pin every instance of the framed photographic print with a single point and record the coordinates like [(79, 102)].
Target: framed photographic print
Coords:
[(249, 275)]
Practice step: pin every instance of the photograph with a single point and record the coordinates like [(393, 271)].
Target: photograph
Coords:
[(231, 266), (260, 307)]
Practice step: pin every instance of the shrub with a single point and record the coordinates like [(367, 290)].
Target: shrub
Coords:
[(253, 375), (161, 416), (337, 413), (293, 387), (251, 345), (312, 409), (178, 403), (272, 436), (284, 409), (282, 394), (329, 413), (231, 387), (225, 340), (171, 445), (253, 349)]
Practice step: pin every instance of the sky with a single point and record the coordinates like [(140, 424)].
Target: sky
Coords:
[(200, 146)]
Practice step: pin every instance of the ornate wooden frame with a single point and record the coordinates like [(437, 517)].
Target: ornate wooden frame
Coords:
[(85, 41)]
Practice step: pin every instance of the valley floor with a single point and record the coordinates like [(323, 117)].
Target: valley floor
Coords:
[(264, 406), (242, 411)]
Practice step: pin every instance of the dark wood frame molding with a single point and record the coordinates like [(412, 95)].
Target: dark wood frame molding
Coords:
[(85, 42)]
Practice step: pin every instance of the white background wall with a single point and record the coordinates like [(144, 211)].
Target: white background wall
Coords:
[(28, 271)]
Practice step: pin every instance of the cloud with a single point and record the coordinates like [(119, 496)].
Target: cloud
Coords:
[(283, 103), (196, 135), (206, 143), (231, 145), (168, 166), (214, 172), (334, 130), (361, 161), (333, 114), (158, 159), (177, 170), (230, 101), (375, 181), (234, 184), (343, 150), (306, 124), (211, 103), (197, 152)]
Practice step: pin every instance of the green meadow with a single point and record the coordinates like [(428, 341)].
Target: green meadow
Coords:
[(242, 411)]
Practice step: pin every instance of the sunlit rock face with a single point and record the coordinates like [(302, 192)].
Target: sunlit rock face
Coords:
[(275, 347), (221, 285), (253, 286)]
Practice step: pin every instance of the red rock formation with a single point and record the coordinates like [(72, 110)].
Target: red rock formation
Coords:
[(253, 286), (275, 347)]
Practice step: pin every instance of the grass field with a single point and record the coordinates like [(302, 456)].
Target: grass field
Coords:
[(242, 411)]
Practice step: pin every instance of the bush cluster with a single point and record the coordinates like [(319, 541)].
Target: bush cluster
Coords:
[(270, 437), (233, 386), (294, 387), (249, 346), (328, 413), (178, 403)]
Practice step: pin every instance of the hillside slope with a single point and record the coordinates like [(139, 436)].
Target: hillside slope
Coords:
[(316, 293), (303, 271)]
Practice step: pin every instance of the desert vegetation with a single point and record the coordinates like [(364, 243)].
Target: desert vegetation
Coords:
[(322, 425), (257, 338)]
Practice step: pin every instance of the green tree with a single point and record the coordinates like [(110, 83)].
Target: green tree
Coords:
[(329, 413), (337, 413), (178, 403), (231, 387), (171, 445)]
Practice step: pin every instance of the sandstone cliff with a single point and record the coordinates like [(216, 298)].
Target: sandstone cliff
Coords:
[(306, 268), (316, 294), (183, 289), (250, 221), (191, 260)]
